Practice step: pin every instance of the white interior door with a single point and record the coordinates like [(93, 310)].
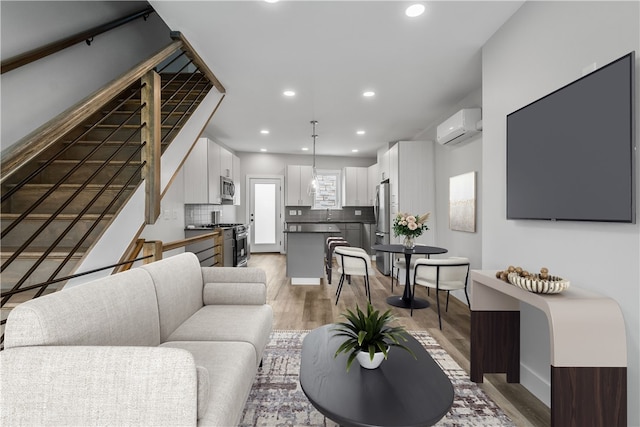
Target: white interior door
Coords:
[(265, 214)]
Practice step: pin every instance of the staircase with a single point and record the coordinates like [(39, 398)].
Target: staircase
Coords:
[(56, 206)]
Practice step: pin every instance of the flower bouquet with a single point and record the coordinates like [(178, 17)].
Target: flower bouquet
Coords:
[(410, 226)]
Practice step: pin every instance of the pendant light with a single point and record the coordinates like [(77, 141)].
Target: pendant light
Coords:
[(313, 185)]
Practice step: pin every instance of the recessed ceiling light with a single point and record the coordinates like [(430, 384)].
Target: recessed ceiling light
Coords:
[(360, 132), (354, 150), (271, 1), (289, 93), (263, 149), (414, 10), (369, 93), (264, 131), (305, 148)]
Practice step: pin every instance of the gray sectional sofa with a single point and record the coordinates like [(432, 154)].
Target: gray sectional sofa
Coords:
[(169, 343)]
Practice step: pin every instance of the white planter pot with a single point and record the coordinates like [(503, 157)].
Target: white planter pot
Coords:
[(366, 362)]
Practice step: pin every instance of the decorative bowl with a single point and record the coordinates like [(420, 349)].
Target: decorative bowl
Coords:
[(552, 285)]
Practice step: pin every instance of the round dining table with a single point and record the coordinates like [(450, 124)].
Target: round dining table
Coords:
[(406, 300)]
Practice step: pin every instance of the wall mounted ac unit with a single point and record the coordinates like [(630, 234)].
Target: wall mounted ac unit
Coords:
[(462, 125)]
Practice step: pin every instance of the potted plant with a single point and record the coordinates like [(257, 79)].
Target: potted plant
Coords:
[(369, 336)]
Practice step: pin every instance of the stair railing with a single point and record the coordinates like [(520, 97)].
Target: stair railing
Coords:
[(147, 167)]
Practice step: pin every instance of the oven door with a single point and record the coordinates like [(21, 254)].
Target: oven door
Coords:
[(241, 249)]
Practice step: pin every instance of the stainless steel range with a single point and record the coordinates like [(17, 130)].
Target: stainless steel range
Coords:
[(236, 244)]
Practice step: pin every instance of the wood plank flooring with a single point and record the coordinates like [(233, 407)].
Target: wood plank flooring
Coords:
[(301, 307)]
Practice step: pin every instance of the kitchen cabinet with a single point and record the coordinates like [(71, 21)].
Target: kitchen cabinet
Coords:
[(412, 182), (354, 186), (352, 233), (202, 173), (297, 183), (196, 185), (383, 167), (226, 163), (372, 182), (202, 170), (237, 197)]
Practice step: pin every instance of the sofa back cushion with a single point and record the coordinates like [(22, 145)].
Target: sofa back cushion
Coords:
[(117, 310), (178, 282)]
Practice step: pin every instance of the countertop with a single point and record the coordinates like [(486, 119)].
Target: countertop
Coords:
[(331, 221), (312, 228)]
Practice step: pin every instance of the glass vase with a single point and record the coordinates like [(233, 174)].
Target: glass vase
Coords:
[(409, 242)]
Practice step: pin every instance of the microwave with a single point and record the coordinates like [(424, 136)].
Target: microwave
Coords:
[(227, 190)]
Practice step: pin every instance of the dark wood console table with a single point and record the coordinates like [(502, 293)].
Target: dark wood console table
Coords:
[(588, 348)]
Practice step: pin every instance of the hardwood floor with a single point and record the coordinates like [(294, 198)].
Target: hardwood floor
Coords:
[(302, 307)]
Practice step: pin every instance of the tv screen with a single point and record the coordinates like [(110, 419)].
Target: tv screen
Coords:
[(570, 154)]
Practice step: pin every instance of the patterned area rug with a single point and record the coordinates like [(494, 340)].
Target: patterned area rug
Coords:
[(276, 398)]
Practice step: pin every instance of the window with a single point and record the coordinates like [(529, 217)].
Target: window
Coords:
[(328, 192)]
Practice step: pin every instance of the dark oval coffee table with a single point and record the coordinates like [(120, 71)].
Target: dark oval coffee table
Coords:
[(403, 391)]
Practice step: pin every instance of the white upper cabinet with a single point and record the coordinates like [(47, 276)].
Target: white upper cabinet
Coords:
[(297, 184), (202, 170), (237, 197), (196, 175), (355, 191), (226, 163), (372, 182), (213, 157), (412, 181), (383, 167)]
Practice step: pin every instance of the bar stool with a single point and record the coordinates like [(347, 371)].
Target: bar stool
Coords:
[(332, 243)]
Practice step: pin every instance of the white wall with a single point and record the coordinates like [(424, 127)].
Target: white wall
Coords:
[(544, 46), (37, 92), (452, 160)]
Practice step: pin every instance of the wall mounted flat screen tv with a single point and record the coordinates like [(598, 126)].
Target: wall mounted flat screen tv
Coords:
[(570, 154)]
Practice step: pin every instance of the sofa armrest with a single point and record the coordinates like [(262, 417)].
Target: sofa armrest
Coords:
[(93, 385), (234, 286)]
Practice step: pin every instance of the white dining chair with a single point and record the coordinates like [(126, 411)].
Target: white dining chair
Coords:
[(446, 274), (353, 261), (399, 263)]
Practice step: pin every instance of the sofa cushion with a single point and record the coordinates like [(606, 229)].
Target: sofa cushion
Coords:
[(178, 282), (117, 310), (234, 293), (97, 386), (232, 368), (251, 324)]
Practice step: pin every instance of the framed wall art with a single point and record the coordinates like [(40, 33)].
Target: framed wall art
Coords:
[(462, 202)]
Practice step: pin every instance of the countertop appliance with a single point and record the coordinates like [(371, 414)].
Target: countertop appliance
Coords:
[(227, 190), (383, 226)]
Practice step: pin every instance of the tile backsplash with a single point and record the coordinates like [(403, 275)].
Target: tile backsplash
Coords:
[(201, 214), (344, 214)]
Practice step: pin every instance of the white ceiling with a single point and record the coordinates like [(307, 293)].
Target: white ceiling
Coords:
[(329, 53)]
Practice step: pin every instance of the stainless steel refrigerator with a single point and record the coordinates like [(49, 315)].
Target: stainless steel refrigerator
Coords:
[(383, 227)]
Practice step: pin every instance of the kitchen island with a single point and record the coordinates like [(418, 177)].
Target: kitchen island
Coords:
[(305, 252)]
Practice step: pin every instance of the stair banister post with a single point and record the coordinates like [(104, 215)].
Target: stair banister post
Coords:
[(154, 248), (151, 153)]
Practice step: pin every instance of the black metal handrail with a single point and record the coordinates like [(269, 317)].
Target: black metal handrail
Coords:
[(85, 36)]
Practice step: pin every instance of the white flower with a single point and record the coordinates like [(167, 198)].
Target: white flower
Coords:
[(412, 226), (411, 218)]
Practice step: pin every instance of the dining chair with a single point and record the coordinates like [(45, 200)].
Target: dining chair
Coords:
[(446, 274), (353, 261), (398, 263)]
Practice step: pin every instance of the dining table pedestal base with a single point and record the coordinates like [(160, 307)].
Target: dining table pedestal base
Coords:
[(399, 301)]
